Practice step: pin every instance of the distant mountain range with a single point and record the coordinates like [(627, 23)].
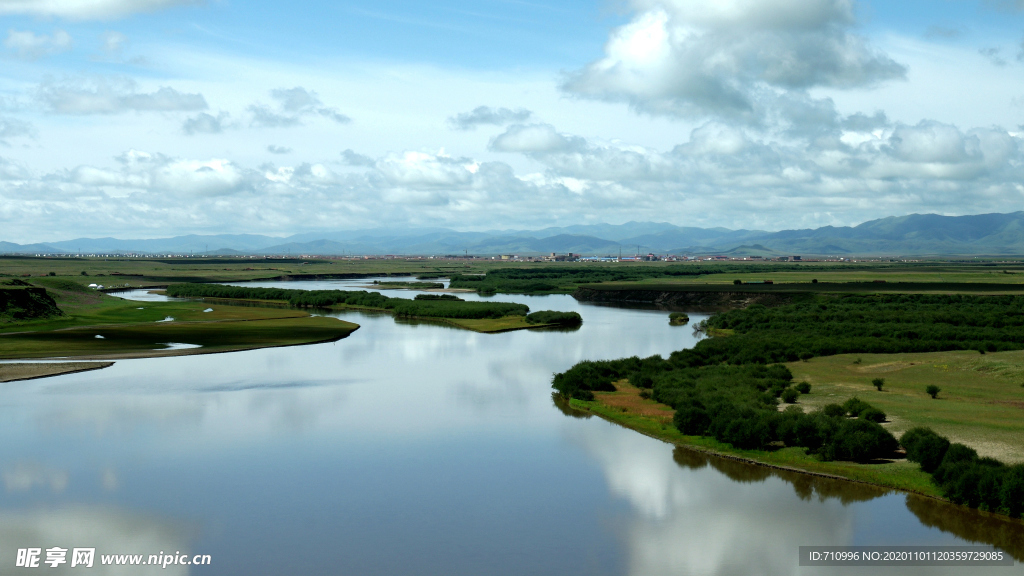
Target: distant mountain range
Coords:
[(913, 235)]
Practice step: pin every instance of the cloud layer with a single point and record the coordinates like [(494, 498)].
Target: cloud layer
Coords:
[(113, 96), (731, 59), (485, 115)]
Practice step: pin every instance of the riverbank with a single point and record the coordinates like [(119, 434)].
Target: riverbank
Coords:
[(627, 408), (31, 371)]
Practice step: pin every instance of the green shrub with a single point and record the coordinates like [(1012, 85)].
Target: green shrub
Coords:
[(678, 318), (924, 447), (789, 396), (854, 406), (834, 410), (878, 383), (933, 390), (450, 297), (552, 317), (860, 441), (873, 415), (803, 388), (1011, 491)]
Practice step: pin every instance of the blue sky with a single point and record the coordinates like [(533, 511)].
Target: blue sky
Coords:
[(148, 118)]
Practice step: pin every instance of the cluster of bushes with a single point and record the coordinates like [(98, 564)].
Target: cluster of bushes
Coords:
[(430, 308), (965, 478), (450, 297), (829, 324), (738, 405), (549, 279), (552, 317), (678, 318)]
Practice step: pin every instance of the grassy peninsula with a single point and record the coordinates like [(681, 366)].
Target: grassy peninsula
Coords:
[(91, 324)]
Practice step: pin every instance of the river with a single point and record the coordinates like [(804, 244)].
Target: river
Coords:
[(414, 449)]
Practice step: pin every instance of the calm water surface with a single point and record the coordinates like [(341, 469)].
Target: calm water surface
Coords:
[(413, 449)]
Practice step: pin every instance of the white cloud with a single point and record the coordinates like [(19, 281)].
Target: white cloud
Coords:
[(351, 158), (28, 45), (12, 128), (993, 55), (204, 123), (293, 105), (88, 9), (113, 42), (731, 59), (148, 174), (113, 96), (534, 139), (104, 528), (424, 169), (485, 115)]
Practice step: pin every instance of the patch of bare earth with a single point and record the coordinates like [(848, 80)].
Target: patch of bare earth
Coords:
[(885, 367), (627, 398)]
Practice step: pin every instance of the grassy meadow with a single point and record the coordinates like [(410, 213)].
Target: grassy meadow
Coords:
[(981, 403)]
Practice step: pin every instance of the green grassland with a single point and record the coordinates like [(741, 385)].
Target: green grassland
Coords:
[(150, 339), (144, 272), (981, 403)]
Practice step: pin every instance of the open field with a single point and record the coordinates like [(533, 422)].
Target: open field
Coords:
[(626, 408), (29, 371), (143, 272), (981, 403)]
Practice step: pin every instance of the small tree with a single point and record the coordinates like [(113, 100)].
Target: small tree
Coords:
[(803, 388), (790, 395), (933, 390), (737, 281), (878, 383), (84, 273)]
